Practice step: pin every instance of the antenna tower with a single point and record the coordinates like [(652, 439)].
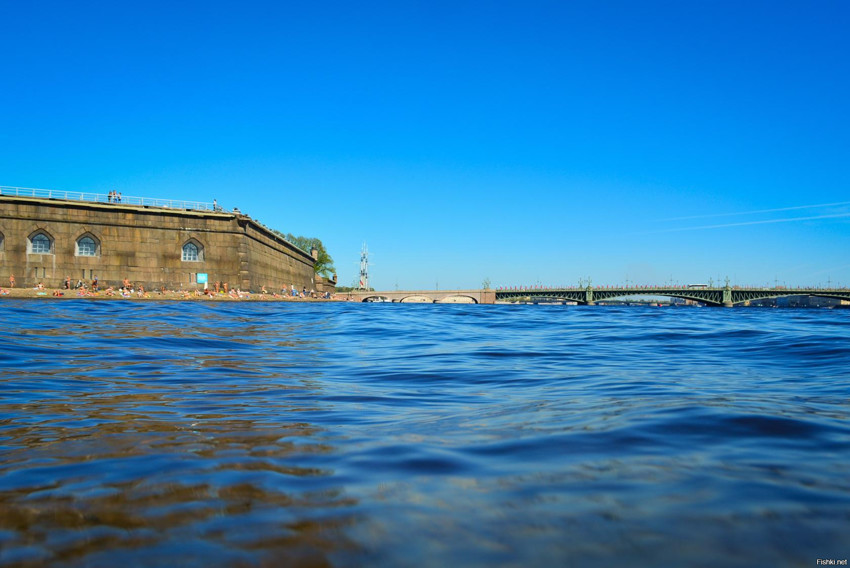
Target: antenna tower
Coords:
[(364, 268)]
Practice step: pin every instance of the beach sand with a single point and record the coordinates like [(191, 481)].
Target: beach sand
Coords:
[(59, 294)]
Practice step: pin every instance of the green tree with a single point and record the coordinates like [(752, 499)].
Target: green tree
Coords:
[(324, 264)]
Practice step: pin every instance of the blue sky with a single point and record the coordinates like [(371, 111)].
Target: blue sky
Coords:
[(521, 142)]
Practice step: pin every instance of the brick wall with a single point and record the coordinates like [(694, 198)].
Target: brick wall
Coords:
[(145, 245)]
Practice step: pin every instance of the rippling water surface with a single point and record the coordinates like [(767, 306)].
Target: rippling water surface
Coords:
[(268, 434)]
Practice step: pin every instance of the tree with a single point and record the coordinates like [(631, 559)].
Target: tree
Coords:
[(324, 263)]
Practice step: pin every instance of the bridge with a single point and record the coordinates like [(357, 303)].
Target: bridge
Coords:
[(426, 296), (726, 296)]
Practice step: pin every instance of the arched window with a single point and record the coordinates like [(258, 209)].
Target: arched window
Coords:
[(193, 252), (40, 243), (86, 246)]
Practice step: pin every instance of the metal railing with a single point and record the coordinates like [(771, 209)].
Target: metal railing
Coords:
[(107, 198)]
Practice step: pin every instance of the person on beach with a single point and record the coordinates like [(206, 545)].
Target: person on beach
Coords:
[(11, 281), (67, 282)]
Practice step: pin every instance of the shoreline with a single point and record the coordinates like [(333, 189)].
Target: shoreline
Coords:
[(168, 295)]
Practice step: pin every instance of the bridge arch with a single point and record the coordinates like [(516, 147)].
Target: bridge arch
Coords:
[(456, 299), (375, 298), (696, 296), (416, 299)]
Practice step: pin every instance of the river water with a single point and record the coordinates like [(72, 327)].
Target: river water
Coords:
[(283, 434)]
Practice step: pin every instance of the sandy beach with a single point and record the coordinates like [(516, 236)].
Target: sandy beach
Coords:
[(233, 296)]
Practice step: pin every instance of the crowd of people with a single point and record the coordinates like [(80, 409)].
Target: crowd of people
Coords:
[(127, 289)]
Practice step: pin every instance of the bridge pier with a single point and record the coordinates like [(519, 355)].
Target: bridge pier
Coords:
[(727, 296)]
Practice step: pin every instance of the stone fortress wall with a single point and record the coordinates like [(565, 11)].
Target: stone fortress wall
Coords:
[(143, 244)]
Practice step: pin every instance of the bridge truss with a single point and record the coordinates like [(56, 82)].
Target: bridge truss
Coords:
[(727, 296)]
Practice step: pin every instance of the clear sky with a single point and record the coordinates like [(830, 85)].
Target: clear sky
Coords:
[(525, 142)]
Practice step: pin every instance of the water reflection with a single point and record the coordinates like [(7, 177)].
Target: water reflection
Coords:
[(120, 480), (168, 435)]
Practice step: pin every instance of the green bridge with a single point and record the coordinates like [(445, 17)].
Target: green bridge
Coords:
[(726, 296)]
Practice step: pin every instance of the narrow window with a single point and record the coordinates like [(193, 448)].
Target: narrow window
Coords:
[(40, 244), (86, 247), (191, 252)]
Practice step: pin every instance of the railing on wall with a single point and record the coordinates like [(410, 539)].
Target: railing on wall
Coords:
[(106, 198)]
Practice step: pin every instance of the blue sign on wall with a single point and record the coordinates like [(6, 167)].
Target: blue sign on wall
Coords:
[(202, 277)]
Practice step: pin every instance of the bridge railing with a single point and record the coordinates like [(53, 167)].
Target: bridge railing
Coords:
[(105, 198)]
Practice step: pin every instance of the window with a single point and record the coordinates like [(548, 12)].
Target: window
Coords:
[(2, 241), (40, 244), (192, 252), (86, 246)]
